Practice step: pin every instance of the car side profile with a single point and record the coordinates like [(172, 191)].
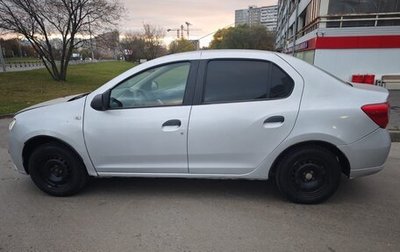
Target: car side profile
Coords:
[(220, 114)]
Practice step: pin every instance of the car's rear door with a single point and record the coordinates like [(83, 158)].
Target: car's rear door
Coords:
[(244, 109)]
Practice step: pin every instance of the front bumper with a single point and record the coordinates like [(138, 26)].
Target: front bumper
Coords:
[(369, 154), (15, 151), (15, 147)]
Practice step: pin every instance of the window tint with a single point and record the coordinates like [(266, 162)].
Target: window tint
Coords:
[(243, 80), (281, 83), (236, 80), (158, 86)]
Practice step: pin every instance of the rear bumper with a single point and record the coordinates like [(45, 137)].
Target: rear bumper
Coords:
[(369, 154), (365, 171)]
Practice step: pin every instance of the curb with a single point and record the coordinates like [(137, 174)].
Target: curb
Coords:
[(6, 116), (395, 135)]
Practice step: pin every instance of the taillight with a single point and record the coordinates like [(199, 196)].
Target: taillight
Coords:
[(379, 113)]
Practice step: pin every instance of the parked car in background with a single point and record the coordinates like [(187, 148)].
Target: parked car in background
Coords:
[(224, 114)]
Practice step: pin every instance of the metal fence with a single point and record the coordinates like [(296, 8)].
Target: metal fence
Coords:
[(30, 65)]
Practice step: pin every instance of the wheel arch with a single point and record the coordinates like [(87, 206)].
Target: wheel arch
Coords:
[(343, 160), (36, 141)]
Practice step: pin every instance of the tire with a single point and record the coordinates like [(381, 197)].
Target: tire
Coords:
[(57, 170), (308, 175)]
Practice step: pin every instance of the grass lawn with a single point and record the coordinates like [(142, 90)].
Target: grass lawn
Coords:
[(22, 89)]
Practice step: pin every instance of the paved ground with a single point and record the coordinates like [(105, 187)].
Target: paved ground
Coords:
[(394, 100), (197, 215)]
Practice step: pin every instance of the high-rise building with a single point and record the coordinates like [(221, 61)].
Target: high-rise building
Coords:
[(269, 17), (241, 17), (254, 15), (346, 38)]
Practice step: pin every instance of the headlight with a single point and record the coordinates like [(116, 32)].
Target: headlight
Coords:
[(11, 125)]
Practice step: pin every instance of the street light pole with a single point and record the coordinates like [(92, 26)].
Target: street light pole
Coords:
[(3, 63), (187, 29), (182, 28), (177, 32)]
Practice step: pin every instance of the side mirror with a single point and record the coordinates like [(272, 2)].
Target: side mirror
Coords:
[(101, 101)]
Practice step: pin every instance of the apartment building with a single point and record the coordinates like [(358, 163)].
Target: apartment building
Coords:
[(344, 37), (266, 16)]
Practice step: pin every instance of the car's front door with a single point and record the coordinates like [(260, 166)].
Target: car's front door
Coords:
[(144, 129), (246, 109)]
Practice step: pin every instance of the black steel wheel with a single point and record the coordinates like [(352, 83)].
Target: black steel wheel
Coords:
[(57, 170), (308, 174)]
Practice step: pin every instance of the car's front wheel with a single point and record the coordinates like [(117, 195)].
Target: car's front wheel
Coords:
[(57, 170), (308, 174)]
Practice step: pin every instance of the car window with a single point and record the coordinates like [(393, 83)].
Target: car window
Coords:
[(236, 80), (281, 84), (245, 80), (159, 86)]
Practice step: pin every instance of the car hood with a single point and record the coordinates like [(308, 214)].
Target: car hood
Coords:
[(54, 101)]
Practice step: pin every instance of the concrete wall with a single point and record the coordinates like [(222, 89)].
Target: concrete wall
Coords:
[(346, 62)]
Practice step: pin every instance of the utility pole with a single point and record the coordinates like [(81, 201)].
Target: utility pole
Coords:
[(286, 45), (3, 63), (90, 37), (295, 28)]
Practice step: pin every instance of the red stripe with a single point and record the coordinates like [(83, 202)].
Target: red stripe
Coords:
[(385, 41)]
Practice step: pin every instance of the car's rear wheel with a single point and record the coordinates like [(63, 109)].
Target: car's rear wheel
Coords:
[(57, 170), (308, 174)]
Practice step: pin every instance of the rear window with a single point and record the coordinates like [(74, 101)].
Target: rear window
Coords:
[(245, 80), (281, 84)]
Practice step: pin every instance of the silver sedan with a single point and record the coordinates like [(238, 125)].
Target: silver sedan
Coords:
[(225, 114)]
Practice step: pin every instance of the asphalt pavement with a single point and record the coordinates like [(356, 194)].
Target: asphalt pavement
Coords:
[(394, 100), (197, 215)]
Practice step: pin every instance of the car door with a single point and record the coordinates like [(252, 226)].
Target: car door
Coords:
[(144, 128), (244, 109)]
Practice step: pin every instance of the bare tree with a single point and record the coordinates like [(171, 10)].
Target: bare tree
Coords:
[(146, 44), (133, 46), (41, 20), (154, 44), (107, 44)]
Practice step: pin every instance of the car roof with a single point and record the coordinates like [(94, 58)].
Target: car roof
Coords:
[(214, 53), (225, 52)]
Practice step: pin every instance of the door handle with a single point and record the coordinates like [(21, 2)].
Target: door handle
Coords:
[(275, 119), (273, 122), (173, 123)]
